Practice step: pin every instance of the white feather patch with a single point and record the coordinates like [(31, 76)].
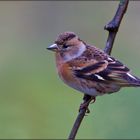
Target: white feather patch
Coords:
[(131, 76), (99, 77), (110, 59)]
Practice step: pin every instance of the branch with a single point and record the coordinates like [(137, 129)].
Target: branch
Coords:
[(79, 118), (114, 24), (112, 27)]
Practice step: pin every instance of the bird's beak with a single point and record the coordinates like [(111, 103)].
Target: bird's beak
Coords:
[(53, 47)]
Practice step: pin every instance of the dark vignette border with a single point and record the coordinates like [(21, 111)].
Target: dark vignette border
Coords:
[(66, 0)]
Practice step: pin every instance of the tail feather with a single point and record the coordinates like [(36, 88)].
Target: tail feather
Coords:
[(132, 80)]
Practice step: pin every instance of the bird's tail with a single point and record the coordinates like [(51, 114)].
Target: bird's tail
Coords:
[(132, 80)]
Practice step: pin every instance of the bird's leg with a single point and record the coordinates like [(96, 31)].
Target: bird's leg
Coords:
[(87, 100), (93, 100)]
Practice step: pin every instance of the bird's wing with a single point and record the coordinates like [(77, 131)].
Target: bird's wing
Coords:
[(107, 71)]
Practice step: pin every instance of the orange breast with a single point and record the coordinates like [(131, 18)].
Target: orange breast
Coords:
[(64, 70), (65, 73)]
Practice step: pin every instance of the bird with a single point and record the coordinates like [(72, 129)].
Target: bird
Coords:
[(89, 69)]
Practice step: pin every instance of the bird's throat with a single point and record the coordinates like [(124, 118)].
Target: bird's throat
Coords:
[(74, 53)]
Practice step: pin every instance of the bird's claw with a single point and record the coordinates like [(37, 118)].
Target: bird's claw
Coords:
[(84, 105), (93, 100)]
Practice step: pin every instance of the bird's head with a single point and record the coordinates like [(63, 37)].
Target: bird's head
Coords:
[(68, 45)]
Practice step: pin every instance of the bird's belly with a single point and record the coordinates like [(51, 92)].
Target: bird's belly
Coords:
[(85, 86), (90, 88), (84, 89)]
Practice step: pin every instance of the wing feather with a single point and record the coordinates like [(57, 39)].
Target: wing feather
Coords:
[(106, 71)]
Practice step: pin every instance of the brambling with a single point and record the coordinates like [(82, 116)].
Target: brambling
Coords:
[(88, 69)]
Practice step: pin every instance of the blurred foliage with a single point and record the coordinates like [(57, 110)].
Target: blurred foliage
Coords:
[(34, 101)]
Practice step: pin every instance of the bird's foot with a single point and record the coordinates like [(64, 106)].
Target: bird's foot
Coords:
[(87, 100), (93, 100)]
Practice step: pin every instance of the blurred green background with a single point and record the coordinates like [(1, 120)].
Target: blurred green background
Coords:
[(34, 103)]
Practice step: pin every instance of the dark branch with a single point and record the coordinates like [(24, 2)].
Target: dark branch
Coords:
[(112, 27), (79, 118)]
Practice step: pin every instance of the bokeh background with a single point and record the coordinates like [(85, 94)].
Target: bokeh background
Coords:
[(34, 103)]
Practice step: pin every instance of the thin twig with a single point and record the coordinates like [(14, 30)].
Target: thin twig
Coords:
[(79, 118), (112, 27)]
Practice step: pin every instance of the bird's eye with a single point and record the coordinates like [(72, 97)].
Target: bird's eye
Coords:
[(65, 46)]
